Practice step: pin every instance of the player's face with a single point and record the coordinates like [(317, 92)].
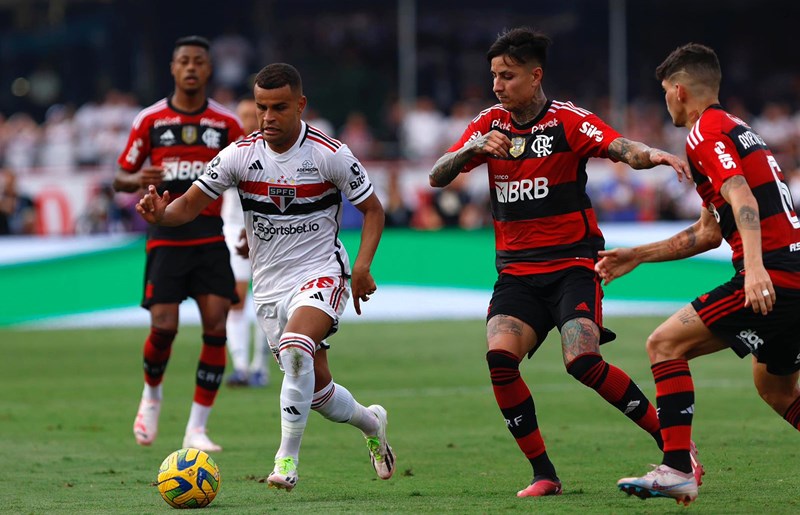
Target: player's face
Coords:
[(191, 68), (514, 84), (675, 107), (279, 112), (246, 111)]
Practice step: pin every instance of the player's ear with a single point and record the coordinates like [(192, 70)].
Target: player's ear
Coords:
[(536, 75), (680, 92), (301, 104)]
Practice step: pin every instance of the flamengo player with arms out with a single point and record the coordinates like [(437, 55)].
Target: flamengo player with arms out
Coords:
[(547, 239), (179, 135), (290, 177), (746, 201)]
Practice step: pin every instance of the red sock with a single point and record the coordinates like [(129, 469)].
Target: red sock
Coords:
[(617, 388), (210, 369), (675, 398), (157, 349), (516, 403), (792, 414)]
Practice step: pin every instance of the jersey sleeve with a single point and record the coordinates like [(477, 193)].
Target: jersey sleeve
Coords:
[(476, 128), (221, 173), (138, 147), (349, 175), (587, 134), (716, 156)]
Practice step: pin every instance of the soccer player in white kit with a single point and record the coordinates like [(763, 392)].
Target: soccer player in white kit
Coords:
[(290, 177), (245, 372)]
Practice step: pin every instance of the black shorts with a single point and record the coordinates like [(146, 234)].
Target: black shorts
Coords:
[(174, 273), (772, 338), (545, 301)]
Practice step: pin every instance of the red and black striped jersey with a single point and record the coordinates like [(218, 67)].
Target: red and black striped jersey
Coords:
[(543, 218), (182, 143), (720, 146)]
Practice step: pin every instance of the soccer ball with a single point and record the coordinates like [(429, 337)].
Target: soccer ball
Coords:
[(188, 478)]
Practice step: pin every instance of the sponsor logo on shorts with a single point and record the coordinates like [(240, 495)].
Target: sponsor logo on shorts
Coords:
[(751, 339)]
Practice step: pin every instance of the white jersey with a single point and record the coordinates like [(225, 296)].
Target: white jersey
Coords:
[(292, 206)]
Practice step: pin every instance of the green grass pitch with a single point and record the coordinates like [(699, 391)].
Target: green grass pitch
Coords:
[(69, 398)]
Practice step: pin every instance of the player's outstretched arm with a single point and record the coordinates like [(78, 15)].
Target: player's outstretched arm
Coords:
[(639, 156), (450, 165), (157, 209), (132, 182), (361, 283), (703, 235)]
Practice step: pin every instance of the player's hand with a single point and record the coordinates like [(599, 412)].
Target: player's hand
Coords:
[(665, 158), (759, 293), (243, 248), (151, 176), (494, 143), (362, 285), (152, 205), (615, 263)]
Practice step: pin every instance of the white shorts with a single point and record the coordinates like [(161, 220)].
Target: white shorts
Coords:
[(241, 266), (328, 294)]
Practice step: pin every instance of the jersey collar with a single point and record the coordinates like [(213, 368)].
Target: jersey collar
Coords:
[(533, 122)]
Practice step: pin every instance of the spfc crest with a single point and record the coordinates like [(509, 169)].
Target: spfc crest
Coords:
[(282, 196), (517, 146), (189, 134)]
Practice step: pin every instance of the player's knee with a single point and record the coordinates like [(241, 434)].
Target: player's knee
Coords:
[(296, 352), (582, 364), (501, 359), (659, 347)]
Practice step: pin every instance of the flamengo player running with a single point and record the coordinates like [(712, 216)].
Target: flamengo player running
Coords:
[(179, 135), (547, 239), (747, 202), (290, 178)]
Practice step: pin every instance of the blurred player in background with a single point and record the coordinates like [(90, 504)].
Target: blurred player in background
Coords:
[(291, 177), (179, 135), (547, 239), (245, 372), (747, 202)]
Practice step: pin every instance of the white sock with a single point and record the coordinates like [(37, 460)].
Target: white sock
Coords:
[(198, 417), (153, 393), (237, 328), (336, 403), (261, 352), (297, 353)]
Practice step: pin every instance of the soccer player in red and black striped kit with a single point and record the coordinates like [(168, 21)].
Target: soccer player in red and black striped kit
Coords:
[(746, 201), (546, 238), (179, 135)]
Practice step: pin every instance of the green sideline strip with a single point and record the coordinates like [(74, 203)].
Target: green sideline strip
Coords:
[(113, 278)]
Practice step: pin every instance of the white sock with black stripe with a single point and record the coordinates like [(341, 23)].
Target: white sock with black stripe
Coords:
[(297, 390), (336, 403)]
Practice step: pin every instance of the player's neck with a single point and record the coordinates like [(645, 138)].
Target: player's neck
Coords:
[(532, 110), (188, 102), (696, 109)]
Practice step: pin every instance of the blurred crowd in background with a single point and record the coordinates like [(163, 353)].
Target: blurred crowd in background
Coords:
[(71, 88)]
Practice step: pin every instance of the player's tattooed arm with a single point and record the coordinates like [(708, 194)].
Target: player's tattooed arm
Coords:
[(747, 217), (450, 165), (639, 156), (704, 235)]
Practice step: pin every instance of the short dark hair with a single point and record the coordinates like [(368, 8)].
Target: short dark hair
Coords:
[(694, 59), (278, 75), (192, 41), (522, 45)]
